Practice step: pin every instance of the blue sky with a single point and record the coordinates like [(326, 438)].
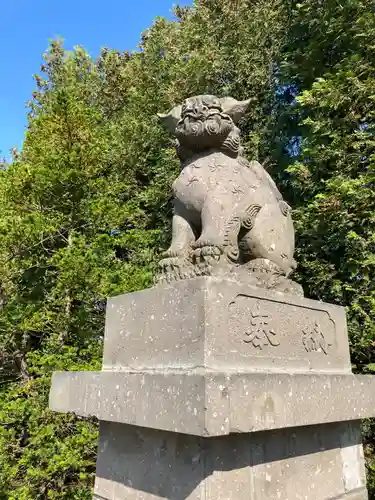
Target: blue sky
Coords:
[(27, 26)]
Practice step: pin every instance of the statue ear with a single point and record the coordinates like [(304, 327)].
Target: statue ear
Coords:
[(171, 119), (235, 109)]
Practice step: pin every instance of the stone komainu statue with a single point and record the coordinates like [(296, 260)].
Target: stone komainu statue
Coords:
[(229, 217)]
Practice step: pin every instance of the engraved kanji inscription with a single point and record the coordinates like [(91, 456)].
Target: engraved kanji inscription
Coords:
[(313, 339), (259, 333)]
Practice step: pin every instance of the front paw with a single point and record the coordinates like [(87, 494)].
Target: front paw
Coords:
[(169, 264), (174, 253), (171, 254), (204, 242), (205, 259), (214, 251), (174, 268)]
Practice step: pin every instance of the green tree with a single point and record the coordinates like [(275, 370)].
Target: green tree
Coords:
[(85, 206), (329, 67), (73, 232), (85, 210)]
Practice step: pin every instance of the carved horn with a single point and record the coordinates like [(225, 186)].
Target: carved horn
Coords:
[(171, 119), (235, 109)]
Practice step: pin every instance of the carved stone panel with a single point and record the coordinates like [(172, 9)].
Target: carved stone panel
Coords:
[(259, 332), (219, 325), (276, 331), (267, 324)]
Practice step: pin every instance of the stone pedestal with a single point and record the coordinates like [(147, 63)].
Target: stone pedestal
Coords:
[(212, 390)]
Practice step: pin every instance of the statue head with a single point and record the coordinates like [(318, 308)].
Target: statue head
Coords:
[(206, 122)]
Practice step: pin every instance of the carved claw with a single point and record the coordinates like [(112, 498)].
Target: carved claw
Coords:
[(208, 251), (172, 264), (183, 253), (205, 259), (168, 254), (174, 268), (206, 242)]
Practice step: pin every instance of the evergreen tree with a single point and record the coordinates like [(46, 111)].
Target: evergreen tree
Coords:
[(328, 68), (75, 229), (85, 206), (85, 209)]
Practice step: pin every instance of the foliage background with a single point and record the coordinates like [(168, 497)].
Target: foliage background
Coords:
[(85, 206)]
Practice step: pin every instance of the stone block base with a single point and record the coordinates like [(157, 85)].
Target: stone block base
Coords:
[(211, 403), (322, 462), (214, 390)]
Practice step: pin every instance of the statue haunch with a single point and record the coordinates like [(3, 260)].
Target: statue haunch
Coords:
[(229, 217)]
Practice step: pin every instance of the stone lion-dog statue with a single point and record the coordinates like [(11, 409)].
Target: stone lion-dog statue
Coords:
[(229, 217)]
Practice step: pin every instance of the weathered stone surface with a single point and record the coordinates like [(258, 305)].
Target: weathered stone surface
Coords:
[(212, 404), (229, 217), (190, 404), (360, 494), (219, 324), (308, 463), (213, 389)]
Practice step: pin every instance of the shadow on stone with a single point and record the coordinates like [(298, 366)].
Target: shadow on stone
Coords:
[(176, 466)]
